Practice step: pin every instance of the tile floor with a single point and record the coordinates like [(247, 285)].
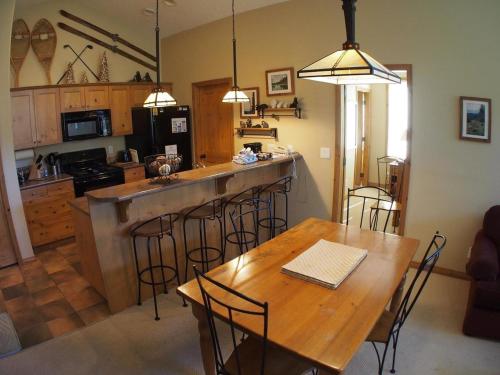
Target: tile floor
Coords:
[(48, 297)]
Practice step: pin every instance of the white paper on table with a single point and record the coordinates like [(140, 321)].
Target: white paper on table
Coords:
[(326, 263)]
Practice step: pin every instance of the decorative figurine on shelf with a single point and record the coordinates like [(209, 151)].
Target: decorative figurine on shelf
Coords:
[(295, 103), (83, 78), (274, 103), (137, 77), (104, 69), (264, 124), (147, 78), (248, 123), (69, 77)]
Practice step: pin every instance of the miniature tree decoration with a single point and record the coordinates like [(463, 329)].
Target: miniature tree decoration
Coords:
[(69, 78), (104, 69)]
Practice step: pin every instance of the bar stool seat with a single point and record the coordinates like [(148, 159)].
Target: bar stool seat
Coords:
[(155, 229), (202, 212), (274, 221)]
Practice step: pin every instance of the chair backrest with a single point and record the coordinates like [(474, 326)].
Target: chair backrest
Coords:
[(210, 210), (239, 306), (370, 194), (390, 173), (419, 281), (284, 182), (491, 225)]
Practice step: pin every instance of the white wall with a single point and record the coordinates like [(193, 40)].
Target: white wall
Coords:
[(452, 47), (6, 143), (378, 131)]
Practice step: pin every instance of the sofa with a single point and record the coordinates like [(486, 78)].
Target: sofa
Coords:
[(482, 318)]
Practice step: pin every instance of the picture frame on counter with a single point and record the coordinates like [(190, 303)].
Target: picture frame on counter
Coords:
[(280, 81), (475, 119), (249, 109)]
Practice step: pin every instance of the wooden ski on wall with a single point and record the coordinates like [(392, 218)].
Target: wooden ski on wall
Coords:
[(112, 48), (114, 37)]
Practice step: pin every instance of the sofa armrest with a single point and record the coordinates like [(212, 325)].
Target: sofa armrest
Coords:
[(484, 263)]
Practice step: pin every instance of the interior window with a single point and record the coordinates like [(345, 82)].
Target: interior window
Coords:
[(397, 118)]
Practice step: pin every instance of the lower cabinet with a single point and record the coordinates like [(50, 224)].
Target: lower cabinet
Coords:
[(134, 174), (48, 213)]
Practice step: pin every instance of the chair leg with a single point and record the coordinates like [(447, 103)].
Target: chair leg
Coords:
[(286, 211), (186, 259), (174, 245), (152, 279), (165, 290), (222, 232), (203, 244), (273, 221), (395, 340), (139, 302)]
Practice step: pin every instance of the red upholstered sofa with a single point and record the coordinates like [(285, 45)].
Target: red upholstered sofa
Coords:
[(482, 318)]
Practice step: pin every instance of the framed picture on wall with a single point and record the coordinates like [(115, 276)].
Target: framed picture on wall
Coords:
[(475, 119), (280, 82), (249, 109)]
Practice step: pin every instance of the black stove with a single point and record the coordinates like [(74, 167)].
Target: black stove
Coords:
[(90, 170)]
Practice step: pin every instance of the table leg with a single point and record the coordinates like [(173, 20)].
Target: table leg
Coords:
[(398, 296), (207, 353)]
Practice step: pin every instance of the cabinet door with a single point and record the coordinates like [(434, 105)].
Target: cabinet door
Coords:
[(96, 97), (23, 119), (139, 93), (72, 99), (47, 116), (121, 116), (134, 174)]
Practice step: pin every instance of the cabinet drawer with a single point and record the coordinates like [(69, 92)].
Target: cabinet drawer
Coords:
[(134, 174), (34, 193), (53, 209), (45, 193), (60, 188), (50, 231)]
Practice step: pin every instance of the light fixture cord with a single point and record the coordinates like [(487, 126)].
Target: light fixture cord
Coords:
[(157, 31), (235, 78)]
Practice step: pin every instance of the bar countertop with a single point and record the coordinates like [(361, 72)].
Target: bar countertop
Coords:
[(120, 193)]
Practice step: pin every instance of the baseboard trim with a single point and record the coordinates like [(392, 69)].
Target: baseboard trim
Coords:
[(445, 271)]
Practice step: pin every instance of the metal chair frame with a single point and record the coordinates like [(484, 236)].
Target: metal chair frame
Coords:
[(170, 218), (205, 260), (261, 310), (357, 192), (424, 271), (272, 222), (386, 161)]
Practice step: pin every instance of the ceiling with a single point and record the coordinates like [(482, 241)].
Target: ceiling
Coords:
[(186, 15)]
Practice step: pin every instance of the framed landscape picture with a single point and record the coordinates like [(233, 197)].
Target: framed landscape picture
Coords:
[(249, 109), (280, 82), (475, 119)]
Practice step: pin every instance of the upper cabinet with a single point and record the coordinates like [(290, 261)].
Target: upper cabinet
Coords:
[(23, 119), (138, 94), (96, 97), (72, 98), (119, 103), (35, 118)]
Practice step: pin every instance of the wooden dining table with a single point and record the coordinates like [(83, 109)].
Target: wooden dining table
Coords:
[(322, 326)]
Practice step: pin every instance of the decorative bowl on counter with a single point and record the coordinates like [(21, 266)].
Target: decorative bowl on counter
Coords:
[(162, 165)]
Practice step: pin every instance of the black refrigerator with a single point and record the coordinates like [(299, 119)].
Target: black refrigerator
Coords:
[(170, 127)]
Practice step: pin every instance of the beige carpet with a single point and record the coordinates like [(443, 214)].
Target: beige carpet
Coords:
[(133, 343)]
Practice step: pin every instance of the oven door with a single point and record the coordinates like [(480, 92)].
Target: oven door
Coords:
[(94, 183), (74, 129)]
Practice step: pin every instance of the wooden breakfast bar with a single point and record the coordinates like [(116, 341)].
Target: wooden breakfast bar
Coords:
[(103, 219)]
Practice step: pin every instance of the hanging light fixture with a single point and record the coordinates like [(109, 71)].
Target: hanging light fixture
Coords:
[(350, 65), (159, 97), (235, 95)]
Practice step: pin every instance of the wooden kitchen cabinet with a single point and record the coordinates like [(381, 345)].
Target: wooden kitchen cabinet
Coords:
[(48, 213), (96, 97), (72, 98), (47, 116), (121, 115), (139, 93), (134, 174), (23, 119)]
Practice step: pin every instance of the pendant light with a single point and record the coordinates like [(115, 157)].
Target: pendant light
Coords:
[(350, 65), (159, 97), (235, 95)]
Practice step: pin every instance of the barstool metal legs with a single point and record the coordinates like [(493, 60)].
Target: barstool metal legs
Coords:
[(139, 302), (152, 278)]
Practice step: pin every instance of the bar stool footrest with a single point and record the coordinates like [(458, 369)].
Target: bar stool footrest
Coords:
[(218, 254), (157, 283)]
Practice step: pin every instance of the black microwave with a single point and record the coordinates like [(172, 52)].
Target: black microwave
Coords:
[(87, 124)]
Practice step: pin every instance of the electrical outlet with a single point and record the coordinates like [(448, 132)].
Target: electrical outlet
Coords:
[(324, 153), (110, 150)]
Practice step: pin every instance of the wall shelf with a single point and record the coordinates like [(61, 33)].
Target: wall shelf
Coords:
[(261, 132), (276, 113)]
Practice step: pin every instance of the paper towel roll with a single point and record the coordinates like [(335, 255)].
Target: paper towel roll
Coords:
[(25, 154)]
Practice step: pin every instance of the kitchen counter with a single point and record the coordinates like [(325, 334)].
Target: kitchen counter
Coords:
[(45, 181), (127, 165), (103, 234)]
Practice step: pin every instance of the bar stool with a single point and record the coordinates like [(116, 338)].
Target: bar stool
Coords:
[(155, 228), (211, 210), (239, 206), (276, 189)]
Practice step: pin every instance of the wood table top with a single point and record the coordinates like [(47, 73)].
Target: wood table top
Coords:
[(140, 188), (323, 326)]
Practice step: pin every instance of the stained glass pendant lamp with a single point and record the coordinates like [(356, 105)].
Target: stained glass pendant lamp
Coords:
[(235, 95), (159, 97), (350, 65)]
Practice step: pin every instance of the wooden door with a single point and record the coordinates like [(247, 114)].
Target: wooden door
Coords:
[(121, 116), (362, 139), (96, 97), (7, 236), (72, 99), (213, 122), (47, 116), (23, 119)]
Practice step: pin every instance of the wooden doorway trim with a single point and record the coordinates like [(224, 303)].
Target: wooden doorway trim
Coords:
[(197, 119), (338, 174), (363, 129)]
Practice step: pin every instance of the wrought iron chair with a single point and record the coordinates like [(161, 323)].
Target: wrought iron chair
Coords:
[(249, 355), (371, 194), (389, 325), (242, 208), (275, 189)]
